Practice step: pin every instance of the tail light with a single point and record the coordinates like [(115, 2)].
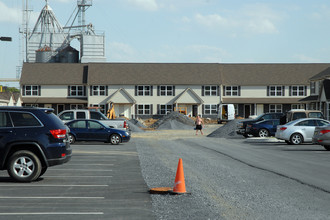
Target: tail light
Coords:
[(58, 133), (324, 131), (283, 128), (125, 124)]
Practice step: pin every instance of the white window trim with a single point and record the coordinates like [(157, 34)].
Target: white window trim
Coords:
[(77, 91), (297, 90), (144, 110), (276, 90), (166, 90), (212, 109), (144, 90), (97, 91), (211, 90), (231, 91), (34, 88)]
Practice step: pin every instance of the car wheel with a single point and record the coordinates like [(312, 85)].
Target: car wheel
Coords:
[(43, 171), (263, 133), (115, 139), (72, 139), (24, 166), (296, 139), (327, 147), (288, 142)]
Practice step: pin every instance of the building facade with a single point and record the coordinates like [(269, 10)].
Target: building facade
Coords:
[(144, 90)]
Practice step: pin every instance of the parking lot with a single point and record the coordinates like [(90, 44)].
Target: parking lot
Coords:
[(102, 181)]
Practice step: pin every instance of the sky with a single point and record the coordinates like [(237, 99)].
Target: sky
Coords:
[(188, 31)]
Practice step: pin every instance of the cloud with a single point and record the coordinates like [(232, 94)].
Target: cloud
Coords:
[(12, 15), (148, 5), (252, 19), (213, 20), (121, 52)]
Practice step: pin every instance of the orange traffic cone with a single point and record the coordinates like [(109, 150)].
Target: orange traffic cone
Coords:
[(179, 183)]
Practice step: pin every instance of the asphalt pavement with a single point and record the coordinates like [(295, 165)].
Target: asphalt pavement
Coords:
[(102, 181)]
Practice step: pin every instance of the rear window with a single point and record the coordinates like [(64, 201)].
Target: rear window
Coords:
[(298, 115), (24, 119), (81, 115), (67, 116), (97, 116), (315, 115)]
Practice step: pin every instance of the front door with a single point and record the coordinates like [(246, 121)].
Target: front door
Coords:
[(194, 110), (247, 111)]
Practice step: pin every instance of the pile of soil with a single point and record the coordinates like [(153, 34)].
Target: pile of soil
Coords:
[(174, 120), (226, 131), (135, 125)]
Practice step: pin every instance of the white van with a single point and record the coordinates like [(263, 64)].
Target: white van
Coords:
[(226, 112)]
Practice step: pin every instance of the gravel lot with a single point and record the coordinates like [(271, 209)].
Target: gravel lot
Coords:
[(221, 187)]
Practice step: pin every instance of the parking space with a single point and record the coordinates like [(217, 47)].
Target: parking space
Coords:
[(101, 181)]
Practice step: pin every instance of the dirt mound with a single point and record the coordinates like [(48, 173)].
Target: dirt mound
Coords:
[(174, 120), (134, 126), (226, 131)]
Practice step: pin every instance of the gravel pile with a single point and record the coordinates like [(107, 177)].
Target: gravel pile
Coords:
[(174, 120), (133, 126), (226, 131)]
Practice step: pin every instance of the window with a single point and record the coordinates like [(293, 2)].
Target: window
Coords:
[(21, 119), (210, 90), (101, 107), (297, 106), (313, 87), (97, 116), (275, 108), (31, 90), (76, 90), (297, 91), (4, 120), (144, 109), (210, 109), (143, 90), (275, 90), (232, 90), (76, 106), (164, 109), (67, 116), (165, 90), (94, 125), (78, 124), (99, 90), (81, 115)]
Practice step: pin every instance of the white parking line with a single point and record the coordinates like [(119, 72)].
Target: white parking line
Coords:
[(48, 197), (52, 213), (79, 176), (36, 185), (84, 170), (88, 164)]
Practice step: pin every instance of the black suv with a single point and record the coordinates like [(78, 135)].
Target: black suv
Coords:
[(31, 140), (241, 126)]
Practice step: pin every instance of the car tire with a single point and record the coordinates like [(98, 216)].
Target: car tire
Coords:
[(115, 139), (43, 171), (327, 147), (263, 133), (296, 139), (24, 166), (72, 139), (288, 142)]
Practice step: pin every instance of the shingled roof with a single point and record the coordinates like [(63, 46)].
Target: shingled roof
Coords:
[(170, 73), (153, 73), (270, 74), (54, 74)]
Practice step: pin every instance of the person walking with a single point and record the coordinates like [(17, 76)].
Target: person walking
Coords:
[(199, 124)]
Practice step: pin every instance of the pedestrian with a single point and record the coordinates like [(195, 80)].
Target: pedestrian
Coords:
[(199, 124)]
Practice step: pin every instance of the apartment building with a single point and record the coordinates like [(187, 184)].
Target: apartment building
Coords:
[(143, 90)]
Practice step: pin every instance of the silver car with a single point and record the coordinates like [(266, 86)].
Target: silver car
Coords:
[(322, 136), (299, 131)]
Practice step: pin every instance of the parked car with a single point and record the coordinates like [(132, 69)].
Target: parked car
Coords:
[(241, 126), (69, 115), (322, 136), (31, 140), (94, 130), (295, 114), (299, 131), (263, 128)]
